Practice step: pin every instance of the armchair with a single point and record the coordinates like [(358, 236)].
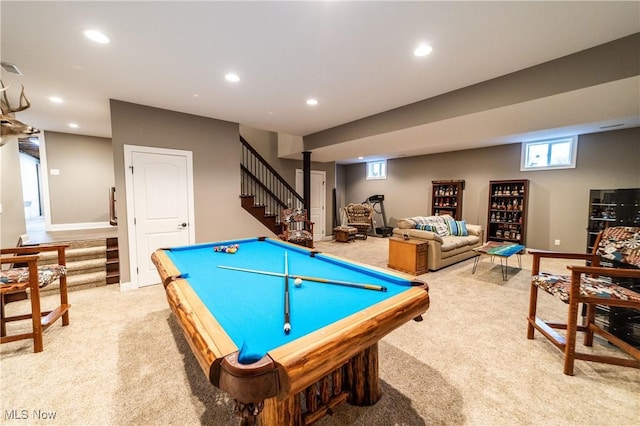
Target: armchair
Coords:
[(296, 228), (17, 279), (360, 216), (590, 285)]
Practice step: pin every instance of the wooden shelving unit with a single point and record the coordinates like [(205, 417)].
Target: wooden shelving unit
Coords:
[(113, 261), (446, 198), (507, 212)]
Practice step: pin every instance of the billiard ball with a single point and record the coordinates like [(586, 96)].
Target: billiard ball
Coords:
[(298, 282)]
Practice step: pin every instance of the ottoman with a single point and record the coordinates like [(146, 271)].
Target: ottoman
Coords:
[(344, 234)]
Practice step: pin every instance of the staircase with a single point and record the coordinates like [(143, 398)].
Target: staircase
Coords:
[(87, 264), (264, 192), (259, 211)]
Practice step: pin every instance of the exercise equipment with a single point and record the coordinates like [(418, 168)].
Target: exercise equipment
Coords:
[(377, 203)]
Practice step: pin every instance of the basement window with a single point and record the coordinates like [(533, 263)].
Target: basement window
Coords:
[(377, 170), (549, 154)]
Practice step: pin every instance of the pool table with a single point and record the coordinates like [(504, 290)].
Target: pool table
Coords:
[(233, 306)]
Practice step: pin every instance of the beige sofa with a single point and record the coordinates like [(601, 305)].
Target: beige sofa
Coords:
[(447, 244)]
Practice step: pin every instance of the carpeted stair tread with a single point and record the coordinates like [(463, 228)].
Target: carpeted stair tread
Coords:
[(73, 268), (86, 264), (75, 254), (78, 282)]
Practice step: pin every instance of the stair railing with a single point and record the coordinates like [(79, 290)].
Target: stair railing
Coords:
[(113, 219), (265, 183)]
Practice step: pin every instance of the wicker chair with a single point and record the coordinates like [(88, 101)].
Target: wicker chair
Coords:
[(590, 285), (360, 216)]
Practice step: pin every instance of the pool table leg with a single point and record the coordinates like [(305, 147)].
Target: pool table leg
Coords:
[(286, 412), (361, 377), (248, 412)]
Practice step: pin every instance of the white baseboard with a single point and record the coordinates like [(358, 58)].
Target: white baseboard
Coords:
[(127, 287), (78, 226)]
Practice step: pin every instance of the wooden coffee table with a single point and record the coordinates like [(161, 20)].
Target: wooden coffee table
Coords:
[(502, 250)]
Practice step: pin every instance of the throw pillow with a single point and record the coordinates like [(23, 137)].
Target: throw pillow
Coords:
[(457, 227), (425, 227), (441, 229)]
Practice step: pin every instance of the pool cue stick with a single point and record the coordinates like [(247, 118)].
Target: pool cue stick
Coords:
[(342, 283), (253, 271), (313, 279), (287, 312)]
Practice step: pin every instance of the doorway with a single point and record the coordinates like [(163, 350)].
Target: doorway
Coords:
[(160, 206), (32, 185)]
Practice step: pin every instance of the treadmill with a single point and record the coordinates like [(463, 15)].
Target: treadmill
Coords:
[(377, 203)]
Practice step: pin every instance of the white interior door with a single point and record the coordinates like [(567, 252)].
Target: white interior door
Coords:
[(317, 202), (162, 207)]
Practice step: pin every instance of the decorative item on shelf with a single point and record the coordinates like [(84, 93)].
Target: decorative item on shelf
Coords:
[(499, 233)]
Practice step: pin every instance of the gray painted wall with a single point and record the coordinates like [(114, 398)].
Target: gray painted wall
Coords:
[(216, 158), (12, 223), (558, 199), (80, 193)]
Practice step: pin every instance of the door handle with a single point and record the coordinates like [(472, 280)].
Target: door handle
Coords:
[(182, 225)]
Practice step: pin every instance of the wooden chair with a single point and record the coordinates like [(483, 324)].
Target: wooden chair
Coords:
[(590, 285), (18, 278), (360, 216), (296, 228)]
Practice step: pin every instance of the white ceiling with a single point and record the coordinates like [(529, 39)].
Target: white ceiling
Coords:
[(354, 57)]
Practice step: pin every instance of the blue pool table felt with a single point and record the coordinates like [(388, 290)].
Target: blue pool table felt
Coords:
[(250, 307)]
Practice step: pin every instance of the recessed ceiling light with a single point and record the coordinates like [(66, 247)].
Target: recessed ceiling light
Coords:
[(73, 125), (423, 50), (232, 77), (360, 158), (56, 99), (312, 101), (96, 36)]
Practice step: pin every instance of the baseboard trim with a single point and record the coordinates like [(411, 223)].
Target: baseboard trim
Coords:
[(78, 226), (128, 286)]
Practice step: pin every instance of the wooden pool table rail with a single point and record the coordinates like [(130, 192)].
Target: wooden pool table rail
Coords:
[(286, 372)]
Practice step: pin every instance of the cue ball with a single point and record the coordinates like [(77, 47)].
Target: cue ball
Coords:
[(298, 282)]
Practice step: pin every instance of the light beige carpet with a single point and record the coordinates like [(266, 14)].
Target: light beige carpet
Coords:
[(123, 361)]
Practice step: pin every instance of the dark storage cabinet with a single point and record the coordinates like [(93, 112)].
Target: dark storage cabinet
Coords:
[(615, 207)]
